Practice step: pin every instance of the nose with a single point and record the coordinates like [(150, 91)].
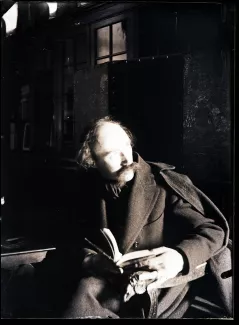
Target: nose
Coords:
[(124, 160)]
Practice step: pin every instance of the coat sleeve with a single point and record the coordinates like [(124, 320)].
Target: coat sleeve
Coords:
[(202, 238)]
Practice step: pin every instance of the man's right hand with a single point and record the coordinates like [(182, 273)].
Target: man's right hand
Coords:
[(98, 264)]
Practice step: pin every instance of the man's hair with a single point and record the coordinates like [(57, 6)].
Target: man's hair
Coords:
[(85, 156)]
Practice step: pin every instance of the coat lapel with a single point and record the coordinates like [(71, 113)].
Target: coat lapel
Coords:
[(141, 202), (103, 223)]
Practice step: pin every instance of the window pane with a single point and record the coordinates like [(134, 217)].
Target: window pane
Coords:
[(103, 41), (119, 38), (11, 18), (120, 57), (103, 60)]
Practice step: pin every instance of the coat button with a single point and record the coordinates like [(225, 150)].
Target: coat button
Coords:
[(136, 244)]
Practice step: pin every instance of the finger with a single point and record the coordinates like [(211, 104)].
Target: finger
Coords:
[(129, 293), (148, 275), (151, 263), (159, 250), (156, 265), (139, 265), (157, 259)]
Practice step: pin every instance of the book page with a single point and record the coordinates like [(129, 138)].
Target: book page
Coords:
[(113, 244), (128, 258)]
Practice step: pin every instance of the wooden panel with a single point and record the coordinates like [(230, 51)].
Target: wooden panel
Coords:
[(207, 127), (147, 96), (90, 97), (81, 48), (157, 30)]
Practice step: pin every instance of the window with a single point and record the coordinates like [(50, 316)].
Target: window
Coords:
[(52, 9), (11, 19), (110, 42)]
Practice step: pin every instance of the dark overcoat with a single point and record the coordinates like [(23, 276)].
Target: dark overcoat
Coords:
[(165, 209)]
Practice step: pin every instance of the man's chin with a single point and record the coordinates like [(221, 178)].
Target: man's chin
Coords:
[(128, 175), (125, 177)]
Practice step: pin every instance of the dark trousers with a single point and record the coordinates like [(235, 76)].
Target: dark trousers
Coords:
[(24, 296), (94, 297)]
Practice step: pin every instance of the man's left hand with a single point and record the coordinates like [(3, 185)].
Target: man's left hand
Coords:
[(168, 263)]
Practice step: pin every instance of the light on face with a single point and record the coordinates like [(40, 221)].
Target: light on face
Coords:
[(113, 149), (10, 18), (113, 157)]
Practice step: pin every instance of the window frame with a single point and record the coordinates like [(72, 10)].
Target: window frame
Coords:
[(111, 53), (109, 22)]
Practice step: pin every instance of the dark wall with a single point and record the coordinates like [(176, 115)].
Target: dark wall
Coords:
[(203, 34), (147, 96), (9, 101), (157, 30), (90, 98), (207, 125), (19, 167), (207, 102)]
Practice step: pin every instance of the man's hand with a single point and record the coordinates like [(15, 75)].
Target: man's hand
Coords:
[(138, 283), (168, 263), (98, 264)]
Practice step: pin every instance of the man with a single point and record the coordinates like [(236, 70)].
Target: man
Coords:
[(146, 206)]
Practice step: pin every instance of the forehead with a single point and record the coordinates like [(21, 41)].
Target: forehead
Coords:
[(110, 137)]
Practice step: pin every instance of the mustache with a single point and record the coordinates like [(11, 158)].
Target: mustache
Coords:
[(134, 166)]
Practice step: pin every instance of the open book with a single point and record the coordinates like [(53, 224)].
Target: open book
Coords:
[(126, 260)]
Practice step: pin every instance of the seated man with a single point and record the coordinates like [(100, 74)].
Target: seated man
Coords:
[(146, 206)]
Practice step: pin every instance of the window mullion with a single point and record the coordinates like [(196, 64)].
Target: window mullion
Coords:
[(118, 53), (111, 41)]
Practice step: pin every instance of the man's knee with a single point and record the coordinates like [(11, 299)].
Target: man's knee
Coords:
[(91, 285)]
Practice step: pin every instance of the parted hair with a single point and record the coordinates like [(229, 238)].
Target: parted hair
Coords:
[(85, 156)]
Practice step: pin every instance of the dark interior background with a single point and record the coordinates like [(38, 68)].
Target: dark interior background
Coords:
[(147, 96), (176, 93)]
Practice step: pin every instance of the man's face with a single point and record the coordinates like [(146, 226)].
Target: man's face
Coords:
[(113, 153)]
